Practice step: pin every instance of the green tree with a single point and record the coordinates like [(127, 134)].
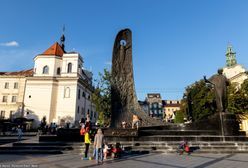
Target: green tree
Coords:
[(198, 101), (102, 97), (238, 99), (179, 118)]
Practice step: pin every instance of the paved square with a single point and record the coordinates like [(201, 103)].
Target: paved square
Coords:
[(153, 160)]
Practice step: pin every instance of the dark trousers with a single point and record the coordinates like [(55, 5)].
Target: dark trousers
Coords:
[(86, 149)]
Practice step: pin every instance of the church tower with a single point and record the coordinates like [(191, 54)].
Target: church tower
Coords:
[(230, 57)]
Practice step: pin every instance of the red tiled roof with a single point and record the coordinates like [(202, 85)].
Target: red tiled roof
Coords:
[(55, 49), (28, 72)]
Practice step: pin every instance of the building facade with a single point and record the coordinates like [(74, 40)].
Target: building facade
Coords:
[(12, 90), (58, 89), (155, 104), (235, 72), (169, 109)]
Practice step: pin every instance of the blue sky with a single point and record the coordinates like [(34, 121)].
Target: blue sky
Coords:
[(175, 42)]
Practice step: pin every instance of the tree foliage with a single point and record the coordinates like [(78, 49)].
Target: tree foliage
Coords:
[(198, 101), (238, 98), (179, 118), (102, 97)]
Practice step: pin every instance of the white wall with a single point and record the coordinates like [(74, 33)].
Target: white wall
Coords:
[(66, 106), (38, 96), (53, 62)]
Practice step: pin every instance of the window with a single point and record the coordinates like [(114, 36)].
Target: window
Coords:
[(13, 99), (6, 86), (83, 94), (2, 114), (67, 92), (11, 114), (79, 94), (58, 71), (5, 98), (15, 85), (155, 105), (45, 70), (78, 110), (88, 96), (69, 68)]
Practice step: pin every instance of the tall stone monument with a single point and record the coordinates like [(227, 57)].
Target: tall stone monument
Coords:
[(124, 101)]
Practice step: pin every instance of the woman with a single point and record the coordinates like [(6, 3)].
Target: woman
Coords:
[(86, 142), (98, 144)]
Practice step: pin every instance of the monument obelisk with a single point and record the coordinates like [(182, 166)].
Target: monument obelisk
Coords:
[(124, 100)]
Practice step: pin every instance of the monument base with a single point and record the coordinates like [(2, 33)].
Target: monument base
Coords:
[(229, 123)]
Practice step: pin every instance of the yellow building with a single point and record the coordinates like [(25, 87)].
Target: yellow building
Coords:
[(169, 109)]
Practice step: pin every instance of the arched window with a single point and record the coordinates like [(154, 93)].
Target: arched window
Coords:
[(69, 68), (67, 92), (58, 71), (45, 70)]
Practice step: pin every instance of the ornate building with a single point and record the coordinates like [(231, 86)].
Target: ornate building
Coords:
[(57, 88), (235, 72)]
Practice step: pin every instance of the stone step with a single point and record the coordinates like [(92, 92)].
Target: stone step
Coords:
[(176, 132), (40, 144), (25, 134), (13, 151), (4, 148), (159, 143), (178, 138)]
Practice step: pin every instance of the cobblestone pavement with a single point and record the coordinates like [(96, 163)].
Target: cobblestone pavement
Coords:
[(153, 160)]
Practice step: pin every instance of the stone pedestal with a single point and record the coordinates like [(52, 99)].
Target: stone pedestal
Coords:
[(213, 123), (230, 124)]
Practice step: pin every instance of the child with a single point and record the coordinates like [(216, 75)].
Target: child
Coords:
[(105, 151), (116, 152)]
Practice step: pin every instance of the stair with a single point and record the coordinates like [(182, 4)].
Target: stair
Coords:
[(35, 148)]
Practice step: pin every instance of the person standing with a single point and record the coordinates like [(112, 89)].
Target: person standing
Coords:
[(86, 142), (19, 133), (98, 145), (135, 122)]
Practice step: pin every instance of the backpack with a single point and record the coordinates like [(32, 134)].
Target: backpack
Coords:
[(82, 131)]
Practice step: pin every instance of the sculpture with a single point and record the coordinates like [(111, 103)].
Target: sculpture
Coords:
[(124, 102), (220, 83)]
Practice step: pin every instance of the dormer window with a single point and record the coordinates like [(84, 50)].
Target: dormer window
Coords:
[(69, 68), (45, 70), (58, 71)]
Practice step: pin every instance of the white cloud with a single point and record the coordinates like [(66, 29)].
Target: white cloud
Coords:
[(108, 63), (10, 44)]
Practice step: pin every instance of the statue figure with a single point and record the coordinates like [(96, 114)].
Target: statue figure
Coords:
[(220, 83)]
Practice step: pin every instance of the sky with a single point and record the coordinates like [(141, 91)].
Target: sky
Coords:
[(175, 42)]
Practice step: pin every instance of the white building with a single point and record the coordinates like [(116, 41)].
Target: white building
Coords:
[(236, 73), (59, 89)]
